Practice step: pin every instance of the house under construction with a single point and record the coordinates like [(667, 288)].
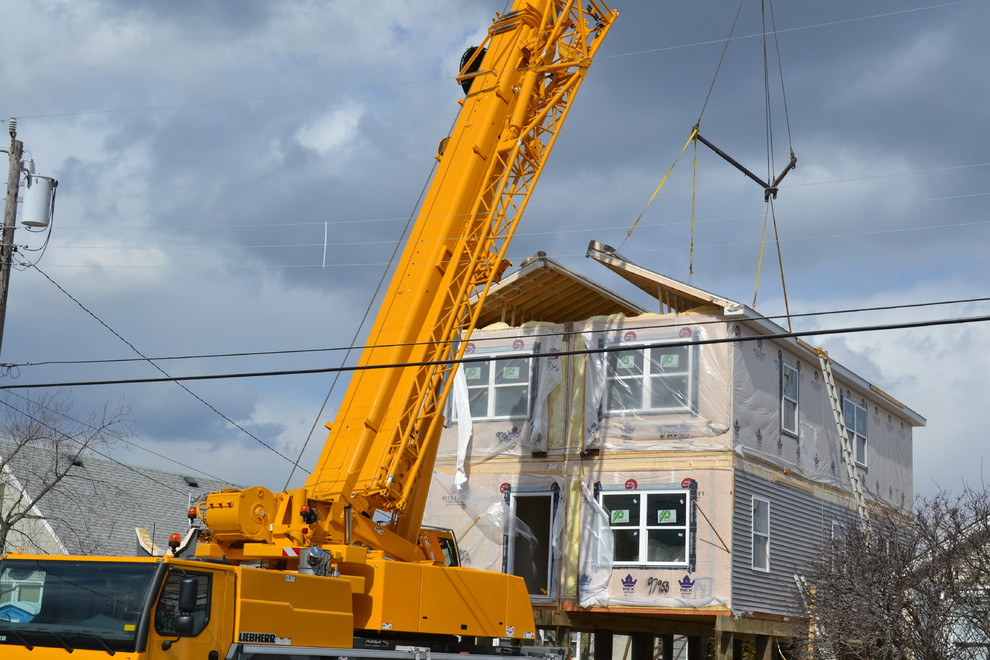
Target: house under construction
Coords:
[(659, 477)]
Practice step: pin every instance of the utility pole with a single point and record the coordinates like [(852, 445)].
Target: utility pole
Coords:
[(9, 219)]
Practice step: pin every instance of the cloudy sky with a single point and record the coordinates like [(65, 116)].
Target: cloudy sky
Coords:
[(234, 177)]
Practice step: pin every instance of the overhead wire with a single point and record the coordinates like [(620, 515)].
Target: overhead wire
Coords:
[(639, 250), (371, 87), (158, 368), (398, 245), (674, 322), (532, 209), (496, 358), (83, 446), (122, 440)]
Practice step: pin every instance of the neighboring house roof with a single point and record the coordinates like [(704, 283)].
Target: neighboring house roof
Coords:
[(96, 507)]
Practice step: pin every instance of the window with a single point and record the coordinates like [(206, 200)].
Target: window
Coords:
[(651, 378), (500, 389), (168, 602), (789, 398), (854, 416), (649, 528), (761, 534), (530, 546)]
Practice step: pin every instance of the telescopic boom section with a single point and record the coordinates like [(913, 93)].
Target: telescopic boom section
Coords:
[(379, 456)]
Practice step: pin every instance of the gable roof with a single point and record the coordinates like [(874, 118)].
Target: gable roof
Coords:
[(96, 507), (545, 290)]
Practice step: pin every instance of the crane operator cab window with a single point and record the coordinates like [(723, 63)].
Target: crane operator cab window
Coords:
[(168, 603)]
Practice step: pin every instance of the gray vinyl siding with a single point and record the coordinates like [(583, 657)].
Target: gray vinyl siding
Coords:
[(799, 522)]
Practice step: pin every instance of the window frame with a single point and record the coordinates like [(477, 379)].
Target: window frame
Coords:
[(686, 527), (760, 535), (491, 387), (164, 622), (787, 369), (512, 496), (646, 379), (855, 434)]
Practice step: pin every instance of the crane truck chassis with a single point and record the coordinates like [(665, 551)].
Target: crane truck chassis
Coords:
[(342, 566)]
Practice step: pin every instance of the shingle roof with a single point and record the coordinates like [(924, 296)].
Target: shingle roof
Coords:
[(96, 507)]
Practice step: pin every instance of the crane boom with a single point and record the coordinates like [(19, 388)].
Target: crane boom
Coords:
[(366, 495), (382, 443)]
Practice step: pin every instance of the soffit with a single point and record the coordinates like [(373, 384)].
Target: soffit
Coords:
[(545, 290)]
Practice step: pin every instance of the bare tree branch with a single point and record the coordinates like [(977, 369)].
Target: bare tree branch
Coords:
[(42, 448)]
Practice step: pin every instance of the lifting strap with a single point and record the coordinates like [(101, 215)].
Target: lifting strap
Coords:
[(629, 233)]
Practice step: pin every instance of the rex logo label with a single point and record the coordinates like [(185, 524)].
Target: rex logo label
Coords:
[(666, 516)]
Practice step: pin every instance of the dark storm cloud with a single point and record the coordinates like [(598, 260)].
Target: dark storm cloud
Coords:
[(202, 145)]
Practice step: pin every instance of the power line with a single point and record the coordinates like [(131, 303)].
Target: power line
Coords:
[(536, 208), (167, 376), (363, 88), (354, 264), (496, 358), (123, 440), (83, 446), (674, 323)]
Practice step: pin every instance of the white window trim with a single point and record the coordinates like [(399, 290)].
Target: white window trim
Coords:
[(492, 362), (756, 534), (691, 371), (642, 528), (854, 435), (796, 374)]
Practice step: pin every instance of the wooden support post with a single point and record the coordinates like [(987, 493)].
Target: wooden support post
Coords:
[(603, 645), (764, 647), (724, 645), (697, 648), (667, 647), (643, 646)]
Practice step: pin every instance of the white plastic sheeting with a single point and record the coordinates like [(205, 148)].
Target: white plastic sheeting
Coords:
[(480, 516), (499, 432), (596, 546), (605, 582), (661, 393)]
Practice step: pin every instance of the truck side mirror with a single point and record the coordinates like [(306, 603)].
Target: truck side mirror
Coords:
[(184, 624), (188, 589)]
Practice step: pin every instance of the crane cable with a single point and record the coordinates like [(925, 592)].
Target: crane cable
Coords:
[(692, 138), (771, 212)]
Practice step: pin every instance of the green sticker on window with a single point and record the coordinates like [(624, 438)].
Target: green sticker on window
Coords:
[(472, 373), (510, 373), (626, 362), (620, 516), (669, 360), (666, 516)]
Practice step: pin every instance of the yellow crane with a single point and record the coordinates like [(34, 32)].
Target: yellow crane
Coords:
[(342, 561)]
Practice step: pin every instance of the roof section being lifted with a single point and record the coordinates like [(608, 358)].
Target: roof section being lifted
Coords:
[(674, 296), (545, 290)]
